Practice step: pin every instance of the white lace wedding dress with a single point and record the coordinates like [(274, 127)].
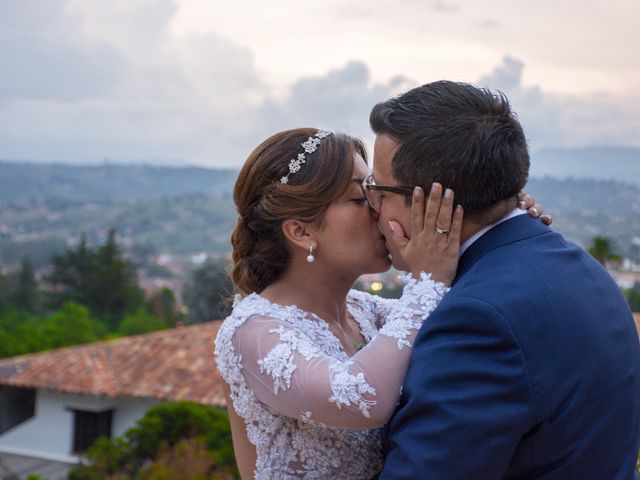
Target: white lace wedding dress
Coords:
[(312, 411)]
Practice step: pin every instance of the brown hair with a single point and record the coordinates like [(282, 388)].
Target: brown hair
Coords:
[(260, 252), (465, 137)]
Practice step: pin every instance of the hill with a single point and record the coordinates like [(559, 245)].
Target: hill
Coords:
[(621, 164), (182, 211), (33, 183)]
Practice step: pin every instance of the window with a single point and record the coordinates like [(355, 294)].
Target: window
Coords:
[(16, 406), (88, 427)]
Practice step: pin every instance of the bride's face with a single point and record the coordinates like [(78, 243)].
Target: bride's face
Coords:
[(348, 239)]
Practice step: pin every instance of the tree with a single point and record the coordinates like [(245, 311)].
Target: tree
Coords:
[(140, 321), (21, 332), (72, 325), (172, 440), (4, 297), (101, 279), (163, 305), (20, 289), (189, 459), (602, 249), (208, 293), (633, 297)]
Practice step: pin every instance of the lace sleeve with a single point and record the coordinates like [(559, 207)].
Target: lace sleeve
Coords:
[(383, 308), (290, 374)]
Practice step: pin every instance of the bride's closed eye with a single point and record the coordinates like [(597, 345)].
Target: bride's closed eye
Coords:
[(359, 200)]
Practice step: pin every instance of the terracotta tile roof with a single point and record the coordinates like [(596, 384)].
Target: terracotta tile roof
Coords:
[(174, 364)]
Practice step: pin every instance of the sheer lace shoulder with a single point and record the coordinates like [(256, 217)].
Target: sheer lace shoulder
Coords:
[(378, 306), (288, 373)]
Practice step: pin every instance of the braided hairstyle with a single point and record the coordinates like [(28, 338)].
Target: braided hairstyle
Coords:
[(260, 251)]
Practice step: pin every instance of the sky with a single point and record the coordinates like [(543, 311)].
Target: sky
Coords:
[(202, 82)]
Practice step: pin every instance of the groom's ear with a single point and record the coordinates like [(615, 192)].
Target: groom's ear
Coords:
[(299, 234)]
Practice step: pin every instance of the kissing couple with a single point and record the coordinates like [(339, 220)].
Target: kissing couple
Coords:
[(511, 353)]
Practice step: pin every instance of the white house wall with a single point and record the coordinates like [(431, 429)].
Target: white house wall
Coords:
[(49, 434)]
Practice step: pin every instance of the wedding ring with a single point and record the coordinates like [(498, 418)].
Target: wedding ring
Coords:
[(440, 231)]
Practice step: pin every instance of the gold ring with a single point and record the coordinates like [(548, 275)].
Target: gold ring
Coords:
[(440, 231)]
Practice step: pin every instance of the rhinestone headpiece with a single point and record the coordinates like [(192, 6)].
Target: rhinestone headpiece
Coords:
[(310, 146)]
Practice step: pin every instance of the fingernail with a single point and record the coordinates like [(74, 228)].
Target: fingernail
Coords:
[(391, 225), (448, 193), (416, 192), (534, 210), (435, 187), (523, 204)]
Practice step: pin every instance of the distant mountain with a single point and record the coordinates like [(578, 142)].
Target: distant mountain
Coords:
[(602, 163), (107, 183), (45, 208)]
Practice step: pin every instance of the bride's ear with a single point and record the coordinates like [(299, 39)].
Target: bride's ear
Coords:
[(299, 234)]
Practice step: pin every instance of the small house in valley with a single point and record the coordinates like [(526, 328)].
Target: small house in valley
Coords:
[(54, 404)]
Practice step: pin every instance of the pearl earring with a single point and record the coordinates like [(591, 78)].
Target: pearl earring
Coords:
[(310, 257)]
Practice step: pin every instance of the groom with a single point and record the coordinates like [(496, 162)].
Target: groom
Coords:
[(530, 366)]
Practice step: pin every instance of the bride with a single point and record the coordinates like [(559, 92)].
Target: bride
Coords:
[(313, 368)]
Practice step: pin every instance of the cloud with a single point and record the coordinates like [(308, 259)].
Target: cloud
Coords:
[(340, 100), (44, 55), (445, 7), (555, 120), (489, 24), (89, 79), (109, 80), (73, 96)]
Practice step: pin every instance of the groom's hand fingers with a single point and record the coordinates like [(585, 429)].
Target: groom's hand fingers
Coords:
[(443, 221), (417, 211), (433, 207)]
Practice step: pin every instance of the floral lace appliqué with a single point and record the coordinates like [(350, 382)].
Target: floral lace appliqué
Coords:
[(420, 295), (298, 447), (349, 389), (279, 362)]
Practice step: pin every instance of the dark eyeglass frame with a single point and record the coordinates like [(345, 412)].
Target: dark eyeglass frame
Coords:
[(369, 183)]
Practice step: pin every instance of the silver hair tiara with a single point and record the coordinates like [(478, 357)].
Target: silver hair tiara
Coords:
[(310, 146)]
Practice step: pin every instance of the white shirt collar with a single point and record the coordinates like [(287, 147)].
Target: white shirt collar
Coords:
[(513, 213)]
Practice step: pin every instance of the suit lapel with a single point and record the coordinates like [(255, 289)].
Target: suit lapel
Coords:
[(512, 230)]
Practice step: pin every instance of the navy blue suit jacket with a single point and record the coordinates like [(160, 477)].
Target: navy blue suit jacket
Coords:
[(528, 369)]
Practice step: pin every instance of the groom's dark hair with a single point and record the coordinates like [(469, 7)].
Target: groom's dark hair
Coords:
[(465, 137)]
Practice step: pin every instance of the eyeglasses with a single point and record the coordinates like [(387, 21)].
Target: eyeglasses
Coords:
[(373, 191)]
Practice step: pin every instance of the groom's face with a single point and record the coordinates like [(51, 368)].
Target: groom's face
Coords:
[(392, 205)]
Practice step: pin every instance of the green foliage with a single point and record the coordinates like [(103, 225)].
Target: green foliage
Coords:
[(603, 250), (633, 297), (140, 321), (101, 279), (163, 305), (71, 325), (13, 332), (189, 459), (4, 297), (21, 332), (20, 289), (95, 297), (207, 295), (173, 440), (25, 293), (110, 459)]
